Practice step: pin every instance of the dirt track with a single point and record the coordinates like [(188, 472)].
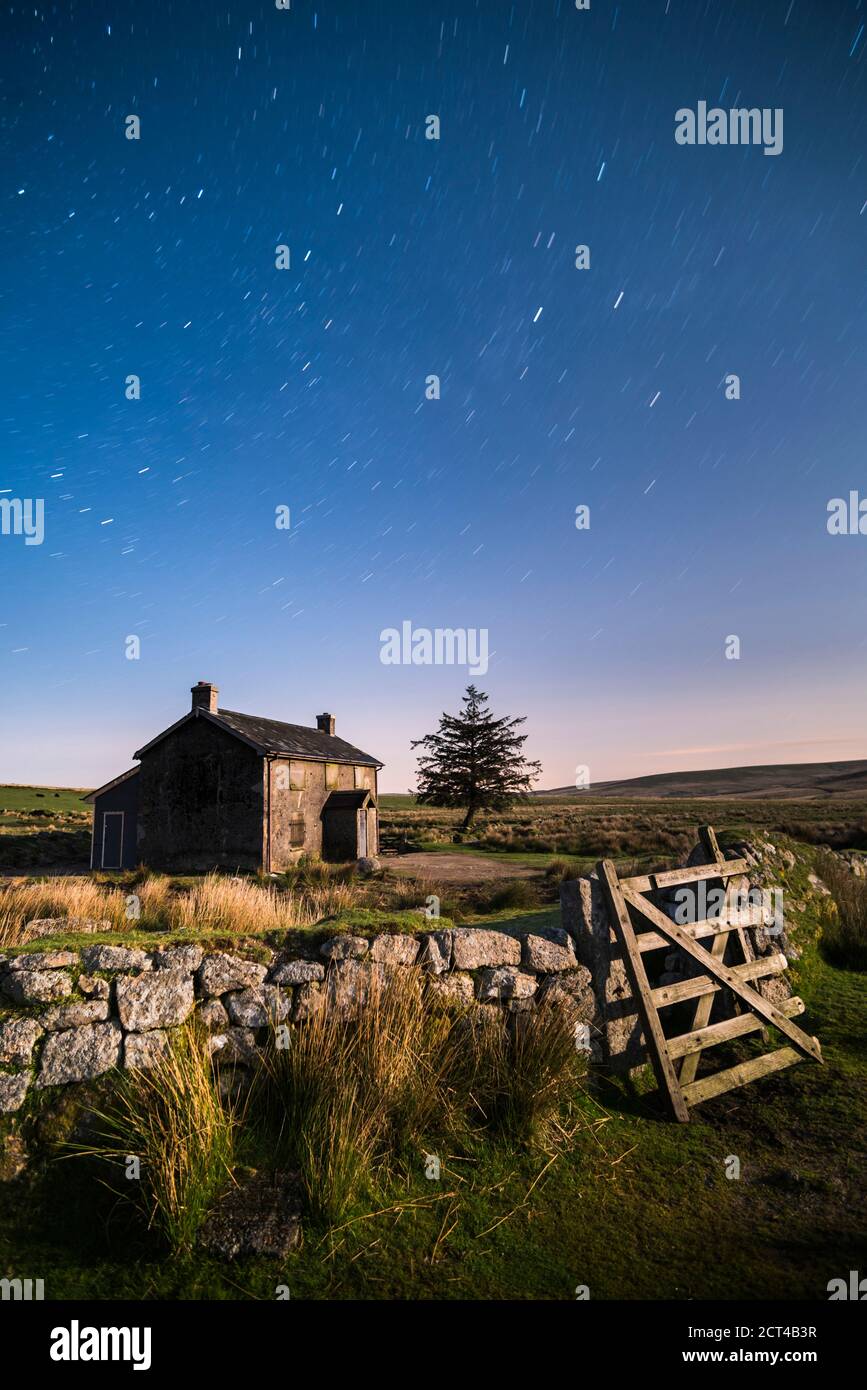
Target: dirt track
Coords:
[(456, 868)]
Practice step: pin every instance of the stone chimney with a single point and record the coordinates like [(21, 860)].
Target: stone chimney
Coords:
[(205, 696), (325, 723)]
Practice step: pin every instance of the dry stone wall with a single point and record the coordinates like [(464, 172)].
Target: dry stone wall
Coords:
[(72, 1015)]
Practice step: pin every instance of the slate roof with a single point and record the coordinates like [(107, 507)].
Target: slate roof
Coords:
[(351, 800), (272, 737), (115, 782), (292, 740)]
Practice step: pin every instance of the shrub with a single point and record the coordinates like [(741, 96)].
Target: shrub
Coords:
[(518, 894)]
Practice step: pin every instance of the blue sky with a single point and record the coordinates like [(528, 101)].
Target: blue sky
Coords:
[(306, 387)]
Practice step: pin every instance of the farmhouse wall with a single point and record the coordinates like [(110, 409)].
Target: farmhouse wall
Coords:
[(201, 801), (299, 790)]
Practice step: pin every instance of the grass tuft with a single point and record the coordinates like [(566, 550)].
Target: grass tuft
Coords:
[(173, 1120)]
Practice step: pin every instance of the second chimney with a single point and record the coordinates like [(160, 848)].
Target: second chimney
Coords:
[(205, 696), (325, 723)]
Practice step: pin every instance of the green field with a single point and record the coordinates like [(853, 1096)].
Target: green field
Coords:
[(43, 828)]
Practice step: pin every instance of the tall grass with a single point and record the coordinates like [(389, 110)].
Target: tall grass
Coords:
[(346, 1097), (844, 916), (171, 1117), (21, 902), (214, 903), (342, 1094), (525, 1068)]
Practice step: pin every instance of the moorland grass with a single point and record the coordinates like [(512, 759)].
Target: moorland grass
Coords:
[(172, 1119)]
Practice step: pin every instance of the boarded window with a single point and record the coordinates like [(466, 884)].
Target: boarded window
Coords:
[(332, 774), (297, 779), (296, 832), (363, 779)]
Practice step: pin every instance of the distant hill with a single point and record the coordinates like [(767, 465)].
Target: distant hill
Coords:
[(775, 780)]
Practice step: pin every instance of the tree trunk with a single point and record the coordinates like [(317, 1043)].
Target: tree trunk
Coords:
[(468, 818)]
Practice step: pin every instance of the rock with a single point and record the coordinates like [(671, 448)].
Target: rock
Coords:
[(585, 917), (13, 1089), (80, 1053), (234, 1083), (187, 958), (42, 960), (213, 1016), (475, 947), (235, 1045), (349, 983), (775, 989), (297, 972), (13, 1156), (818, 885), (454, 988), (257, 1008), (18, 1037), (142, 1051), (368, 865), (309, 999), (114, 958), (573, 990), (515, 1006), (549, 952), (74, 1015), (220, 973), (160, 999), (261, 1216), (94, 987), (505, 982), (394, 950), (436, 951), (36, 986), (344, 948), (53, 926)]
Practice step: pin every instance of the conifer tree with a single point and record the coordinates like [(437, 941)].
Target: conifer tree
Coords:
[(474, 760)]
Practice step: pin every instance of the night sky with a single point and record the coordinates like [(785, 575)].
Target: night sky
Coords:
[(560, 387)]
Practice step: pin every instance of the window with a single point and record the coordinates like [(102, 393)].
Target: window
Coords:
[(297, 776), (363, 779), (296, 832), (332, 774)]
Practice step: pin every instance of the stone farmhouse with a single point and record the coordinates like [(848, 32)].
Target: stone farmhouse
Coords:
[(220, 789)]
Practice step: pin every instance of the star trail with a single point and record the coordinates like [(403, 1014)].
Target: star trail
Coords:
[(167, 386)]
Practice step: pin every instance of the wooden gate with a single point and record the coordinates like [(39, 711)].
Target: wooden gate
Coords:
[(653, 930)]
